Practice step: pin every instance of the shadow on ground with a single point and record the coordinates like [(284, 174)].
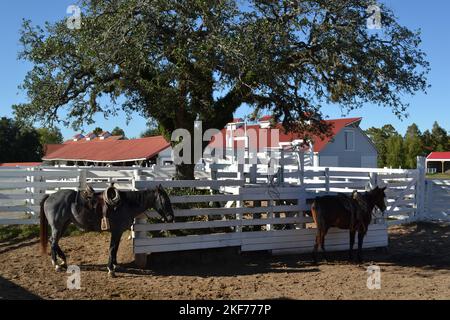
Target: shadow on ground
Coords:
[(421, 245), (11, 291)]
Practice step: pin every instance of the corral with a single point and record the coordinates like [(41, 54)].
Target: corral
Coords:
[(236, 209)]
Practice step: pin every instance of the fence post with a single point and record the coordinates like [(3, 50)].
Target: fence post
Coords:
[(254, 173), (136, 177), (428, 197), (139, 258), (239, 204), (281, 167), (32, 190), (373, 180), (301, 156), (82, 179), (327, 180), (420, 188)]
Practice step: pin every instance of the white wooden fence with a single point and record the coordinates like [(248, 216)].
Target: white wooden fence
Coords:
[(253, 207)]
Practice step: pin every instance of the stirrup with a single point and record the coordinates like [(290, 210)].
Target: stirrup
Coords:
[(105, 224)]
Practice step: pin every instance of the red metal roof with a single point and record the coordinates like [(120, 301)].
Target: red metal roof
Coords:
[(319, 144), (108, 150), (20, 164), (439, 156), (266, 118)]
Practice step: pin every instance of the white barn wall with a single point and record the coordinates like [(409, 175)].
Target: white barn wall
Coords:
[(364, 155)]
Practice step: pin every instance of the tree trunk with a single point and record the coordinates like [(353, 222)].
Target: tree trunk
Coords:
[(185, 172)]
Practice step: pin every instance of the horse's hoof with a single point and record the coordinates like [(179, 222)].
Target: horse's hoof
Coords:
[(118, 268), (58, 268), (112, 274)]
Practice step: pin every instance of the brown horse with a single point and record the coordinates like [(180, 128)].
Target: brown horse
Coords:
[(346, 212)]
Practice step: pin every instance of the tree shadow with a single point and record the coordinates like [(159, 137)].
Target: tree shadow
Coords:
[(222, 262), (11, 291), (17, 244), (225, 262), (423, 245)]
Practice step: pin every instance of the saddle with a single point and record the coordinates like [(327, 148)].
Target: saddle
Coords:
[(111, 200), (103, 204), (356, 206), (360, 210)]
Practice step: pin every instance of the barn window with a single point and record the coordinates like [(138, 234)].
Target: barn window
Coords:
[(349, 141)]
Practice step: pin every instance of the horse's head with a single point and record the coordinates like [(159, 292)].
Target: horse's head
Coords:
[(378, 197), (163, 205)]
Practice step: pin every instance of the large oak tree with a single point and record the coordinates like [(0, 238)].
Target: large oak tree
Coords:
[(179, 61)]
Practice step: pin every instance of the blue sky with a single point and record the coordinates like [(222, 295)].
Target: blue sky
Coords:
[(430, 16)]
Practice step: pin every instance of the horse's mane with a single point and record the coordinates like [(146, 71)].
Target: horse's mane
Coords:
[(137, 198)]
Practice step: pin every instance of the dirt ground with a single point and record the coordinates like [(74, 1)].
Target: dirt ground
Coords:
[(416, 266)]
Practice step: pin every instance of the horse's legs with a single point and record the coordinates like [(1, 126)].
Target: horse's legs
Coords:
[(113, 247), (58, 248), (54, 248), (316, 246), (352, 243), (322, 243), (361, 235)]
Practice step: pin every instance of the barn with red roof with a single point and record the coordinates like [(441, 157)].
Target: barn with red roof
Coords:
[(347, 146), (438, 162), (106, 149)]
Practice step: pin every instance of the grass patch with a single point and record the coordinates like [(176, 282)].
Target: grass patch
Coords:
[(439, 176), (25, 232), (8, 233)]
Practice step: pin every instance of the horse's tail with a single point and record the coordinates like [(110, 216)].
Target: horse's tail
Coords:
[(43, 233), (317, 215)]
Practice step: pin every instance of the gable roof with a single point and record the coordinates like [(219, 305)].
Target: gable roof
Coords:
[(439, 156), (337, 125), (108, 150)]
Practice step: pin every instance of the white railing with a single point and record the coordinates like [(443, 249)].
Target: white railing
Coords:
[(21, 189), (253, 207)]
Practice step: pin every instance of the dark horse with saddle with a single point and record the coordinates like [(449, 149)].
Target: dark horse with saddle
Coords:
[(112, 210), (352, 212)]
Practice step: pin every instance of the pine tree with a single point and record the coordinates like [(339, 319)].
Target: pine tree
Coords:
[(440, 138), (379, 136), (395, 152), (413, 146)]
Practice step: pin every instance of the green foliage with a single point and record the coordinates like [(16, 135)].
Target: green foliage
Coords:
[(190, 192), (97, 131), (118, 132), (23, 143), (440, 140), (152, 130), (413, 146), (178, 61), (18, 143), (379, 136), (18, 233), (395, 155), (395, 151), (50, 136)]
